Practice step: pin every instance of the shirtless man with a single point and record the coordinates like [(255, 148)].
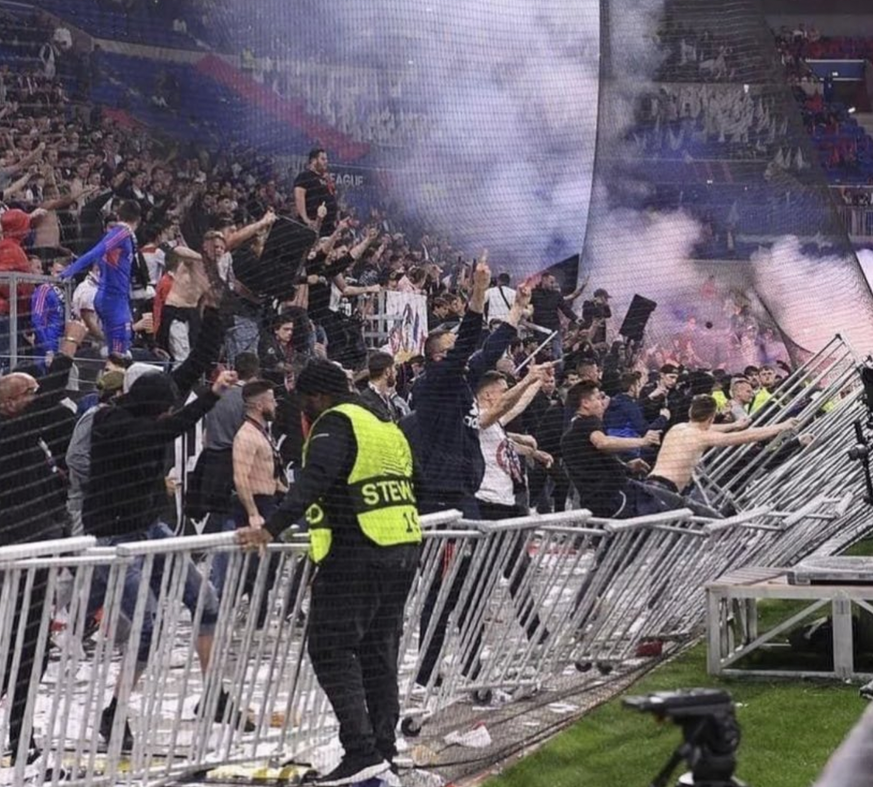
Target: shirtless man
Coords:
[(258, 481), (686, 443), (257, 466), (180, 316)]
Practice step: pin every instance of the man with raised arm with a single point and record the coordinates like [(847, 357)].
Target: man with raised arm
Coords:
[(115, 254), (445, 424), (444, 430)]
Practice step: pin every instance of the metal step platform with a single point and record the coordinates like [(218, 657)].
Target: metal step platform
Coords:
[(832, 571)]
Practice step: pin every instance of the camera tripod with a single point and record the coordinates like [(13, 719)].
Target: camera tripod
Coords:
[(706, 772)]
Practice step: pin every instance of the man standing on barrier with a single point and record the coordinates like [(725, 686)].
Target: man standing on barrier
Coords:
[(356, 491), (116, 255)]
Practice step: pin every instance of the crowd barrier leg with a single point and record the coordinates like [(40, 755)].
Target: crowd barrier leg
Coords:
[(437, 598)]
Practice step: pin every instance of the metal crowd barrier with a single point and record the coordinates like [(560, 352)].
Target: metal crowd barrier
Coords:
[(858, 221), (507, 606), (824, 394)]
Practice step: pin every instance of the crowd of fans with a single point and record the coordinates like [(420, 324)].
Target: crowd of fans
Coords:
[(201, 285), (706, 120), (227, 231), (844, 147)]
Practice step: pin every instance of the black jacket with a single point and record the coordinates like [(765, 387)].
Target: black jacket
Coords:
[(329, 460), (444, 427), (32, 493), (128, 444), (547, 304)]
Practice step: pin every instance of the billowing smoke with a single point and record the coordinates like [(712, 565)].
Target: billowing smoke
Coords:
[(505, 158), (630, 251), (811, 299), (505, 95), (738, 306)]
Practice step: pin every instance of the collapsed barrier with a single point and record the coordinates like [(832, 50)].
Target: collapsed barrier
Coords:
[(514, 604), (508, 605)]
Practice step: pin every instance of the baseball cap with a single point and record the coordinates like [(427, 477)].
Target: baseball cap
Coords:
[(111, 382), (668, 368), (601, 293)]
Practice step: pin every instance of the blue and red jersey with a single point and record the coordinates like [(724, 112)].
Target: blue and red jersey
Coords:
[(48, 316), (115, 255)]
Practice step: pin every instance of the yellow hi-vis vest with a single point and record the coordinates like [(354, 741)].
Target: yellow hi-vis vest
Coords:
[(761, 398), (380, 485)]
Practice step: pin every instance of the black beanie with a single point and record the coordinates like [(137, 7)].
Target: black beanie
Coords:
[(323, 377), (151, 395)]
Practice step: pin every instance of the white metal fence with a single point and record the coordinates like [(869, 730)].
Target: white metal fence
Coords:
[(524, 599)]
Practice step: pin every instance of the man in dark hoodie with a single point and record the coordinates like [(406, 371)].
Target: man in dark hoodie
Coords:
[(126, 486), (124, 455), (444, 430)]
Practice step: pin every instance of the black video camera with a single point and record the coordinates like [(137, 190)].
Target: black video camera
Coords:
[(710, 734), (680, 704)]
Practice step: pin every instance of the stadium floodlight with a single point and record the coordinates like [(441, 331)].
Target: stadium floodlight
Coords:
[(710, 735)]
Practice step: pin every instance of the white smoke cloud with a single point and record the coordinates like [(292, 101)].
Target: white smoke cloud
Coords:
[(631, 252), (811, 299), (510, 91), (652, 253), (506, 159)]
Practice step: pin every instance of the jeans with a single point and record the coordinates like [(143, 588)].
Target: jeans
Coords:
[(242, 337), (524, 610), (558, 347), (266, 505), (133, 586), (470, 509)]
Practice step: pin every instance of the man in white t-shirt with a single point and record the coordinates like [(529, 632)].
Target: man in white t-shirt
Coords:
[(505, 474), (499, 299), (82, 304), (502, 450)]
